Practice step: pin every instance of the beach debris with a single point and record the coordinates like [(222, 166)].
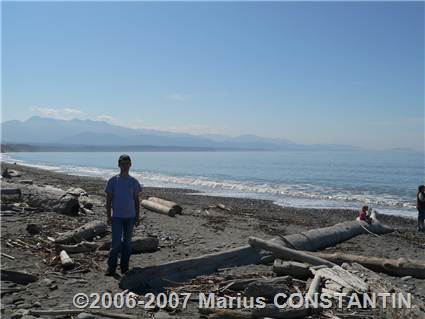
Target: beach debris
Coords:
[(86, 232), (18, 277), (292, 268), (158, 208), (138, 245), (81, 247), (177, 208), (396, 267), (66, 261)]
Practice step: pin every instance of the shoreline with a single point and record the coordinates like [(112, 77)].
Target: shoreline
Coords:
[(283, 200), (392, 220)]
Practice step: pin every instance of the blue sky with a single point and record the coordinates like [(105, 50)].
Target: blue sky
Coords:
[(350, 73)]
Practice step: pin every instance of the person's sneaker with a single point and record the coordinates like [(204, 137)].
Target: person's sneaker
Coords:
[(110, 272)]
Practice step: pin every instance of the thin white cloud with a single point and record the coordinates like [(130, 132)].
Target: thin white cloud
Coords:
[(179, 97), (66, 113)]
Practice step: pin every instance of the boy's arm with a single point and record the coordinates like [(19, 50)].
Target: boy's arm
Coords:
[(137, 200), (108, 208)]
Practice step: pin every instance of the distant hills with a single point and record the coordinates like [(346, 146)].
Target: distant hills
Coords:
[(47, 134)]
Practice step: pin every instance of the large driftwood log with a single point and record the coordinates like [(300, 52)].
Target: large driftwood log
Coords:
[(86, 232), (154, 278), (398, 267), (158, 208), (288, 253), (177, 208), (291, 268), (379, 285), (138, 245), (18, 277), (51, 199)]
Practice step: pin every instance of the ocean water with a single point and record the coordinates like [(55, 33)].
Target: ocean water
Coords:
[(385, 180)]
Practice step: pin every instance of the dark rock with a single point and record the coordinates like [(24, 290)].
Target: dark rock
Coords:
[(33, 229)]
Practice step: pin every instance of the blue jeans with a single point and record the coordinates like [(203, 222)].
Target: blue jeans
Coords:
[(122, 228)]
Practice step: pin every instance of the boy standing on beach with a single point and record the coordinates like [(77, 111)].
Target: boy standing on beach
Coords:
[(122, 196)]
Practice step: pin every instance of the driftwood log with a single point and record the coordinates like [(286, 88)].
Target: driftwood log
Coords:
[(138, 245), (18, 277), (288, 253), (177, 208), (51, 199), (155, 278), (86, 232), (291, 268), (158, 208), (397, 267)]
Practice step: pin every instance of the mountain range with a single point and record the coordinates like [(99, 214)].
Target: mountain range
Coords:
[(76, 133)]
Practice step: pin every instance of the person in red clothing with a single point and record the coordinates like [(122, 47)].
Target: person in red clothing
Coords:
[(364, 216)]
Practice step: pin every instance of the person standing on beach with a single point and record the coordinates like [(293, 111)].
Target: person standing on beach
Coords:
[(420, 205), (122, 214)]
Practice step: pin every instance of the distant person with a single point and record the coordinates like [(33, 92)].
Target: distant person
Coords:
[(122, 195), (364, 215), (420, 205)]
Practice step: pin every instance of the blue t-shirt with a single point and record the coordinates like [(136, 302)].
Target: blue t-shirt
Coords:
[(124, 190)]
